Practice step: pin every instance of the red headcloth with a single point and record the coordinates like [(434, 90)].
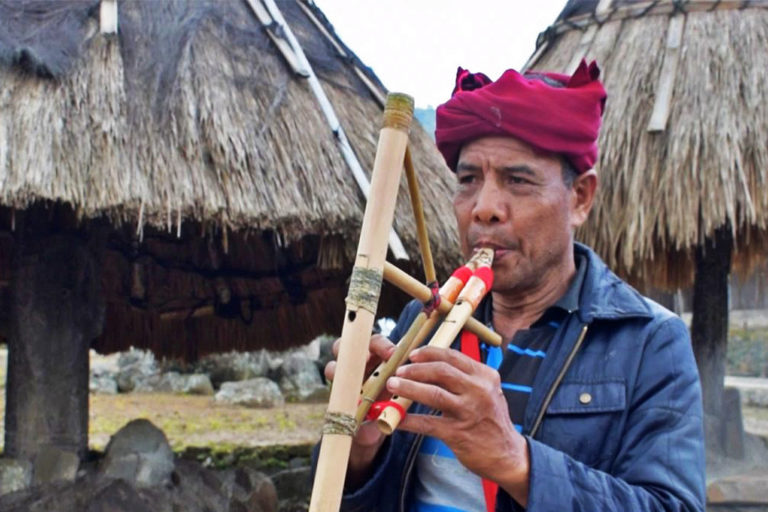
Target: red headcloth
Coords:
[(552, 112)]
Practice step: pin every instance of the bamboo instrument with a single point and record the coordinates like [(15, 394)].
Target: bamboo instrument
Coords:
[(362, 300), (421, 292), (469, 298), (418, 331)]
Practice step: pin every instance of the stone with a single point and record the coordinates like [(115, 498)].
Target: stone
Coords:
[(733, 435), (103, 385), (234, 366), (254, 491), (259, 392), (198, 384), (294, 485), (140, 454), (53, 464), (195, 384), (300, 379), (748, 488), (325, 353), (15, 475), (137, 371)]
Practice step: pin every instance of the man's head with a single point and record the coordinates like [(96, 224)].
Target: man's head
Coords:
[(521, 202), (522, 149)]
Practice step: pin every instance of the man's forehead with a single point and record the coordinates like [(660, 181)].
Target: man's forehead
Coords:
[(501, 151)]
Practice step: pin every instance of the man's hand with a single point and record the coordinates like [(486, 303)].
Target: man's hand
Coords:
[(475, 421), (368, 440)]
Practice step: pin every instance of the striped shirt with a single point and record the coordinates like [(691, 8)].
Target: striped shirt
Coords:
[(443, 484)]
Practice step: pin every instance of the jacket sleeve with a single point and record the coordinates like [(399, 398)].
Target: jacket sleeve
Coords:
[(660, 462)]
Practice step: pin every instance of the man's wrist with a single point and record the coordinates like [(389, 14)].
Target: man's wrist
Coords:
[(515, 476)]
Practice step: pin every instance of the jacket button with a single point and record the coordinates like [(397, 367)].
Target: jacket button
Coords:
[(585, 398)]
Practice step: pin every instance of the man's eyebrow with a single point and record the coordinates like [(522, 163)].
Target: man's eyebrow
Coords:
[(465, 166), (517, 169)]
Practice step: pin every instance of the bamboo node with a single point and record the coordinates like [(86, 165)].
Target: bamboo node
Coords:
[(339, 423), (398, 112), (364, 289)]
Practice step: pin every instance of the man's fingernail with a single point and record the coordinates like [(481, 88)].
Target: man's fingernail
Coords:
[(393, 383)]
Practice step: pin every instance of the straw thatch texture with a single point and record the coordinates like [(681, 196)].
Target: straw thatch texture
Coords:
[(188, 126), (662, 193)]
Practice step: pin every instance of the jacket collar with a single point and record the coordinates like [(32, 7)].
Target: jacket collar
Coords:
[(604, 296)]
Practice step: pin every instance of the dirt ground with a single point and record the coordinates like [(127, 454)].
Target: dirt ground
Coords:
[(197, 421)]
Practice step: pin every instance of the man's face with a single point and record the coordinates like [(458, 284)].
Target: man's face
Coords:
[(515, 201)]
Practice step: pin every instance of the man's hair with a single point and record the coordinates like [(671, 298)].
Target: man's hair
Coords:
[(569, 172)]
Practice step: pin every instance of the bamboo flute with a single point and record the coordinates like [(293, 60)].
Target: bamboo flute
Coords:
[(421, 292), (362, 300), (418, 331), (469, 298)]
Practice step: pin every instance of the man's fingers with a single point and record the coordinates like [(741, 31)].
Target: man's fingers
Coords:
[(453, 357), (438, 373), (330, 371), (427, 424), (427, 394), (381, 346)]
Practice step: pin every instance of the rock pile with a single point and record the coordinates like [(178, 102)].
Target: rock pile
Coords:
[(137, 473), (252, 379)]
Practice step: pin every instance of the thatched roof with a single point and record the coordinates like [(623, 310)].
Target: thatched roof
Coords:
[(683, 144), (189, 129)]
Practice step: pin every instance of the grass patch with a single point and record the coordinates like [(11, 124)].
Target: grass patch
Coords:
[(747, 352)]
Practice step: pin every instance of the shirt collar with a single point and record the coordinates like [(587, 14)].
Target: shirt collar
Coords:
[(566, 304)]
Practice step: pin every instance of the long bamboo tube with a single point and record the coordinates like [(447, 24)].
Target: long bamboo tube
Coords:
[(418, 214), (421, 292), (469, 298), (418, 331), (362, 300)]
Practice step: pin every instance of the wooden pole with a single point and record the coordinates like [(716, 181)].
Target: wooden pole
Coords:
[(362, 300), (430, 275), (468, 300), (421, 292)]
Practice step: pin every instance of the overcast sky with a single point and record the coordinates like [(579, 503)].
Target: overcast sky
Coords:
[(414, 46)]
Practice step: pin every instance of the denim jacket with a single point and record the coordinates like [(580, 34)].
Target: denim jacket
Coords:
[(636, 445)]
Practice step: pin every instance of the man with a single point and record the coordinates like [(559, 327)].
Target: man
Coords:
[(594, 403)]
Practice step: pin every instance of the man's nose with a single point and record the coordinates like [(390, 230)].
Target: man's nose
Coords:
[(489, 204)]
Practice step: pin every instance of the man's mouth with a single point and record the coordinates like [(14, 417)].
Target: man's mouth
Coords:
[(499, 250)]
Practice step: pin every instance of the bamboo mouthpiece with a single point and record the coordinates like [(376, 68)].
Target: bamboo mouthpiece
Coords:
[(398, 112)]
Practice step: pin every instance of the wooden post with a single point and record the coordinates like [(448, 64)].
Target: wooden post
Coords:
[(709, 329), (362, 300), (55, 312)]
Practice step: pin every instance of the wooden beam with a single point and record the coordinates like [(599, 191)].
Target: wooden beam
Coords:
[(666, 84), (108, 17), (587, 38), (284, 47), (375, 91), (395, 244)]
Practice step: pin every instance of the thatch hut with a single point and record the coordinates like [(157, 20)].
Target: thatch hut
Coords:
[(683, 162), (183, 179)]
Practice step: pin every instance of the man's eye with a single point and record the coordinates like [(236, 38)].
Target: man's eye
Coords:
[(466, 179), (518, 180)]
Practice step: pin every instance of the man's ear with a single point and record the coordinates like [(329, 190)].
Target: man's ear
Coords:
[(582, 196)]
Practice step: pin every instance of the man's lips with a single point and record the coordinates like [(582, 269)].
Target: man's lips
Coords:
[(498, 250)]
